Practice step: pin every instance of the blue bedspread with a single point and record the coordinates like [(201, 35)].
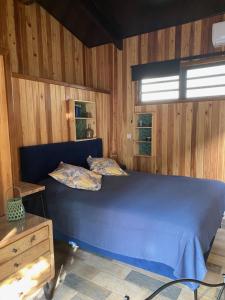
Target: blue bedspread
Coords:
[(166, 219)]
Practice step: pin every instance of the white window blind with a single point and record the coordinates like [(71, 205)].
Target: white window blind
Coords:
[(160, 88), (205, 81)]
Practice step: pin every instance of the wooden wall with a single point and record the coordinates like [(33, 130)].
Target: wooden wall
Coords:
[(5, 158), (40, 46), (190, 140), (39, 115), (190, 136)]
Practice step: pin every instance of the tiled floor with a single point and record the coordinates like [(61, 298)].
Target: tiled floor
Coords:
[(89, 277)]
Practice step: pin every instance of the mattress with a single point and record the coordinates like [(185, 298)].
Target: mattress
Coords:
[(168, 220)]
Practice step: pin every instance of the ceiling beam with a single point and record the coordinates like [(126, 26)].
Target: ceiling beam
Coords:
[(107, 26), (27, 2)]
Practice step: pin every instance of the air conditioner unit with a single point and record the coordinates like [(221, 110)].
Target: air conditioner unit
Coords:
[(218, 34)]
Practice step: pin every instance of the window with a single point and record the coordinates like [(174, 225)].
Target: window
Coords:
[(205, 81), (161, 88), (200, 80)]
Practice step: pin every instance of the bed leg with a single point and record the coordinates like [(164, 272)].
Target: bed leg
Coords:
[(196, 294)]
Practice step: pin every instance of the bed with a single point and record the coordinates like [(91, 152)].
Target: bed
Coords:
[(165, 224)]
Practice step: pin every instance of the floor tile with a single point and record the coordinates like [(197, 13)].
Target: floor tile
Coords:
[(81, 297), (104, 264), (64, 293), (120, 286), (81, 268), (86, 287), (152, 284)]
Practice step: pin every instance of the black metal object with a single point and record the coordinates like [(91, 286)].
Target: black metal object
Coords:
[(32, 204), (185, 280), (196, 295)]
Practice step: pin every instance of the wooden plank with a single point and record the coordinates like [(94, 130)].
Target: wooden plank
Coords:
[(58, 82), (5, 155), (27, 188)]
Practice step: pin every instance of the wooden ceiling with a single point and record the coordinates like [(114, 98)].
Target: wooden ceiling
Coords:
[(97, 22)]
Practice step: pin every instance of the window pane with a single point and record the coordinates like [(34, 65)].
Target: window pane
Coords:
[(208, 81), (159, 79), (160, 96), (205, 92), (206, 71), (161, 88), (169, 85)]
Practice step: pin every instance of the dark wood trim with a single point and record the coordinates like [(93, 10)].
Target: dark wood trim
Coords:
[(56, 82), (105, 24), (202, 61), (27, 2)]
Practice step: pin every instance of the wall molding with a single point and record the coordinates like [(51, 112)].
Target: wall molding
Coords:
[(62, 83)]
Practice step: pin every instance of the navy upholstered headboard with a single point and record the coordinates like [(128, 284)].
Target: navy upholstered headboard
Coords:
[(37, 161)]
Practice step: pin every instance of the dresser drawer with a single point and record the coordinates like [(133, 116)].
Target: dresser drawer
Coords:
[(28, 279), (23, 259), (14, 249)]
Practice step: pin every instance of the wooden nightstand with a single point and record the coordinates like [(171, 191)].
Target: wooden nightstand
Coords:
[(29, 188), (32, 191), (26, 256)]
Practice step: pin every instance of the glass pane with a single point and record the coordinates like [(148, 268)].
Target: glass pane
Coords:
[(145, 134), (169, 85), (144, 120), (158, 79), (206, 71), (219, 80), (145, 149), (80, 110), (205, 92), (160, 96), (81, 126)]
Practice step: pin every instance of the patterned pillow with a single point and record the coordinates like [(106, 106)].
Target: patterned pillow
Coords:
[(105, 166), (77, 177)]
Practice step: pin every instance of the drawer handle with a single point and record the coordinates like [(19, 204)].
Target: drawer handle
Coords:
[(16, 265), (33, 238), (14, 250)]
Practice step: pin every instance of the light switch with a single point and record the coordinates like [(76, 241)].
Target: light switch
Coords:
[(129, 136)]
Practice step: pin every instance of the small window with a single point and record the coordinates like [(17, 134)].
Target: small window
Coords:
[(161, 88), (194, 79), (205, 81)]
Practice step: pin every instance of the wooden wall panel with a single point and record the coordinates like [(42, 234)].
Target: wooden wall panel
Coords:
[(190, 140), (190, 136), (40, 115), (5, 158), (39, 45)]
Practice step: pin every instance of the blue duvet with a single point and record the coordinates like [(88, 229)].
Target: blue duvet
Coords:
[(164, 219)]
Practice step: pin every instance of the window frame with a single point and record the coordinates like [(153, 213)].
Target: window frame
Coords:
[(185, 65)]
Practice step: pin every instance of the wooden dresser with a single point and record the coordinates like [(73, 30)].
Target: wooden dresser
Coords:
[(26, 256)]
